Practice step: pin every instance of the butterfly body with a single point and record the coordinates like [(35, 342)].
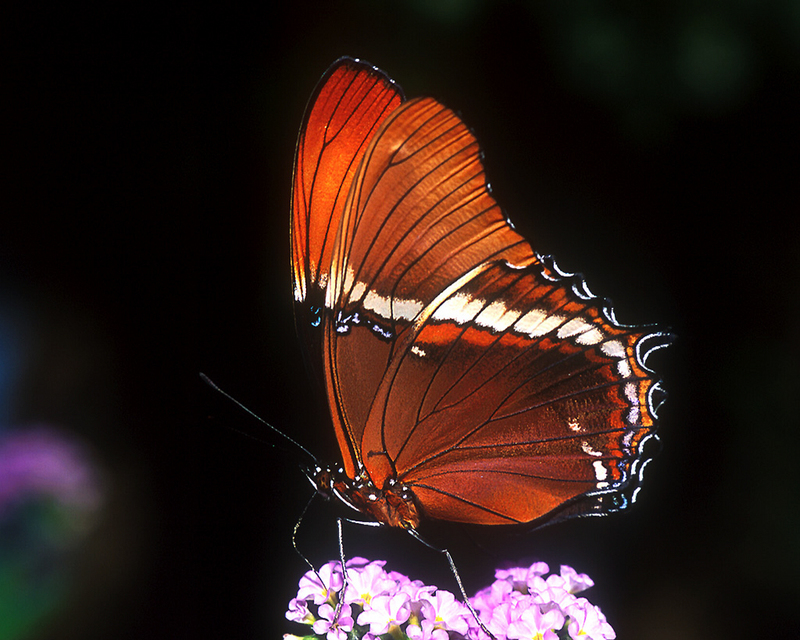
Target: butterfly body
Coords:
[(394, 505), (468, 378)]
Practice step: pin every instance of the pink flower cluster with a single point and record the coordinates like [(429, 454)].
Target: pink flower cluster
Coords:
[(522, 604)]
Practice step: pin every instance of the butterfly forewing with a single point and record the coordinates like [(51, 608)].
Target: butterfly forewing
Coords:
[(418, 217), (351, 101)]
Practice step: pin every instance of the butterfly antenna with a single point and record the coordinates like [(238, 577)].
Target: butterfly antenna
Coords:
[(457, 576), (214, 386)]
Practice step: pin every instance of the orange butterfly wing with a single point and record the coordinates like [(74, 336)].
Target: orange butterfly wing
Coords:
[(456, 361)]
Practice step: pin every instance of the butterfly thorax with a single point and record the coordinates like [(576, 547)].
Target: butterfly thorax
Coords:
[(393, 505)]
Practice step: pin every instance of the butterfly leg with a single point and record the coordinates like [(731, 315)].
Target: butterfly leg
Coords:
[(344, 569), (340, 536), (295, 529), (457, 576)]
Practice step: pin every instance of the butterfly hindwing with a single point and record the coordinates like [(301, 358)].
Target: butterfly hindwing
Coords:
[(515, 396)]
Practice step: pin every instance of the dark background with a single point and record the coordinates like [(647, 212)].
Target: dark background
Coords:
[(147, 157)]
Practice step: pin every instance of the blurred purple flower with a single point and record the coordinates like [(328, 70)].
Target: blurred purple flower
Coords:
[(50, 495), (41, 462)]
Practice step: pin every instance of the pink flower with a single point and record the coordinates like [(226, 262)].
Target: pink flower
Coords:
[(502, 616), (358, 561), (487, 599), (521, 604), (445, 611), (366, 582), (574, 582), (553, 590), (384, 612), (334, 627), (321, 586), (413, 588), (426, 630), (587, 622), (520, 577), (514, 574), (298, 612), (534, 624)]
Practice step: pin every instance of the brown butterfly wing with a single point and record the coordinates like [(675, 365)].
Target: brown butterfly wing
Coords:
[(454, 359)]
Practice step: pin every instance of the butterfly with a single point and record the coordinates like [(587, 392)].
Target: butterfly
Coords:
[(468, 378)]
